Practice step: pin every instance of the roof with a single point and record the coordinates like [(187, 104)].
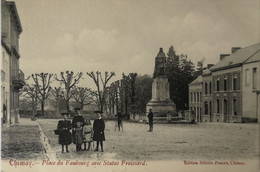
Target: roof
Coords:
[(197, 80), (255, 57), (207, 71), (247, 54), (16, 17)]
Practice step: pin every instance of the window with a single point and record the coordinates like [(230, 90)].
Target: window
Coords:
[(234, 107), (225, 83), (190, 97), (206, 88), (195, 97), (235, 82), (198, 97), (217, 85), (247, 77), (218, 108), (225, 106), (210, 87), (206, 108), (2, 76), (254, 78)]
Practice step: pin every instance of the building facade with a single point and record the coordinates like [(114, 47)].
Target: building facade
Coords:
[(195, 97), (230, 88), (12, 76), (207, 96), (5, 84), (251, 88)]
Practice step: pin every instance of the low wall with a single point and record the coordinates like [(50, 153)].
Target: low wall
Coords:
[(138, 117), (157, 118)]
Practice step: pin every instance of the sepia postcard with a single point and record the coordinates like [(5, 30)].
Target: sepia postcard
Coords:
[(130, 85)]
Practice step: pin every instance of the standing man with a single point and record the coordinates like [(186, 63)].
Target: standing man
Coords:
[(77, 124), (119, 120), (150, 117), (99, 127)]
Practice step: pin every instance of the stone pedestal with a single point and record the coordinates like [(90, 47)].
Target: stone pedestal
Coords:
[(161, 104)]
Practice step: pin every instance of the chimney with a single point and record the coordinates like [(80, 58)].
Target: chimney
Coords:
[(222, 56), (210, 65), (234, 49)]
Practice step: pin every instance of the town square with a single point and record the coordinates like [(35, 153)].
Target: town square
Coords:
[(130, 85)]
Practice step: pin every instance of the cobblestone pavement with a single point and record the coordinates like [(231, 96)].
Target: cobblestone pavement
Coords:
[(22, 141), (206, 141)]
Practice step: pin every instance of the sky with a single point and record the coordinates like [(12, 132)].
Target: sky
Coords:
[(125, 35)]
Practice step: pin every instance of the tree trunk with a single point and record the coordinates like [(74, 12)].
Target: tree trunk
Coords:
[(68, 106), (33, 108), (101, 107), (42, 107), (57, 108), (81, 106), (126, 104), (67, 99), (113, 109)]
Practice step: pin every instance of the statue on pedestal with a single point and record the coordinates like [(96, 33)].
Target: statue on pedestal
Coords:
[(161, 104)]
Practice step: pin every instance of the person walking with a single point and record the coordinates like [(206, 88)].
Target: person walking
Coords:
[(78, 123), (65, 136), (88, 134), (150, 117), (119, 121), (99, 127)]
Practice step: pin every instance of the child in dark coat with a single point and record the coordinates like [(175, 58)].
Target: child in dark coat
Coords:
[(65, 136), (99, 135)]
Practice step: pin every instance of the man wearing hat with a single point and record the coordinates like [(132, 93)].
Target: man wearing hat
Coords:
[(150, 117), (99, 127), (77, 124)]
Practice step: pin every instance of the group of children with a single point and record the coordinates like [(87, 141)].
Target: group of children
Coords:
[(82, 131)]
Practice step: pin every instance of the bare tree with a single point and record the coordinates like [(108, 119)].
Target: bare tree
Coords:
[(21, 91), (82, 96), (101, 84), (57, 94), (42, 82), (31, 91), (112, 97), (69, 80)]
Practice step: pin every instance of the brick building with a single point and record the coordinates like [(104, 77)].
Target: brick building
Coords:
[(207, 95), (12, 78), (231, 87)]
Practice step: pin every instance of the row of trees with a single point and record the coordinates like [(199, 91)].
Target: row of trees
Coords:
[(41, 89), (131, 93)]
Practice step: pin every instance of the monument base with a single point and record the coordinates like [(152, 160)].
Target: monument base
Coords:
[(162, 110)]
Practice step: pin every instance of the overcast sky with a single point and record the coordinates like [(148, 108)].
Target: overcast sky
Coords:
[(125, 35)]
